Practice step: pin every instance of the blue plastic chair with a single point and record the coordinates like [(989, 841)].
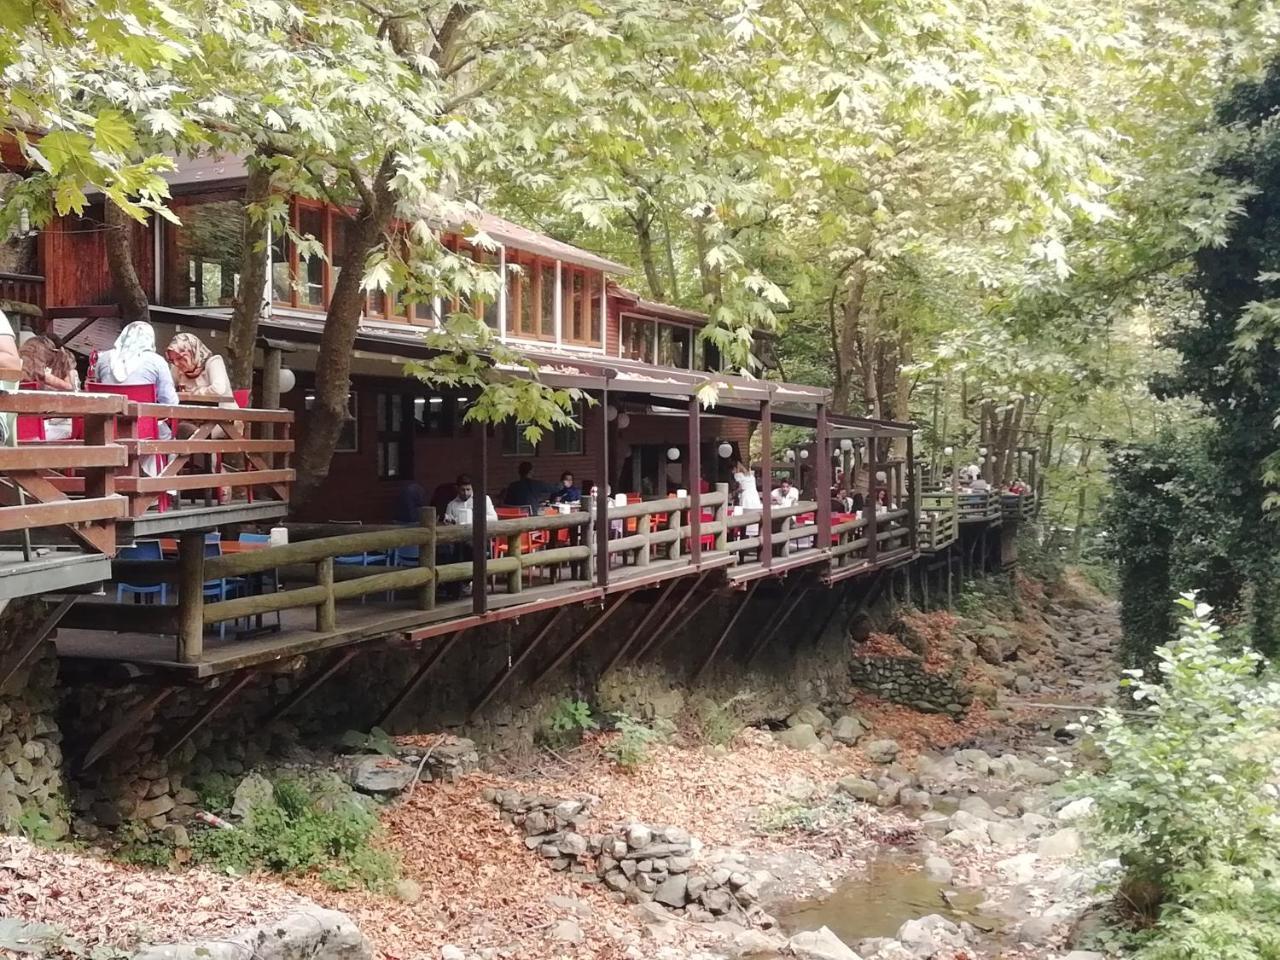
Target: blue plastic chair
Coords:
[(361, 559), (143, 550), (273, 577), (223, 588)]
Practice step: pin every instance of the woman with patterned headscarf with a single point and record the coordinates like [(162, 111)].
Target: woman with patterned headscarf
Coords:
[(197, 369)]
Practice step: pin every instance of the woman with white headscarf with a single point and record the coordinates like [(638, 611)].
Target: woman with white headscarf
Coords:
[(133, 361)]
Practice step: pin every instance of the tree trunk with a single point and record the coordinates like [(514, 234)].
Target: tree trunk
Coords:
[(642, 219), (1082, 505), (671, 258), (902, 391), (846, 340), (870, 364), (333, 360), (251, 304), (134, 304)]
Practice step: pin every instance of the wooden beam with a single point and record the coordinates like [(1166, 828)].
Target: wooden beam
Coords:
[(652, 612), (480, 524), (822, 478), (671, 615), (766, 484), (695, 480), (520, 658), (724, 634), (790, 600), (602, 497), (207, 712), (122, 727), (32, 643), (419, 675), (339, 660), (608, 611), (123, 617)]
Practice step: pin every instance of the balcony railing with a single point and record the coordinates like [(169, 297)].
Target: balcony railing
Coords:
[(18, 288)]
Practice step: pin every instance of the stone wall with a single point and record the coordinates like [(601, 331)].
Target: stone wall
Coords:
[(32, 796), (907, 681)]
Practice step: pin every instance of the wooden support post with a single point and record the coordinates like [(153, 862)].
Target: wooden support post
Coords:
[(822, 478), (427, 558), (326, 609), (873, 541), (126, 724), (514, 664), (480, 525), (695, 481), (643, 529), (224, 696), (272, 361), (32, 643), (913, 496), (100, 431), (419, 675), (722, 517), (654, 609), (339, 660), (790, 600), (766, 484), (191, 596), (602, 507), (586, 569), (658, 631), (515, 579), (610, 608), (674, 549), (724, 634)]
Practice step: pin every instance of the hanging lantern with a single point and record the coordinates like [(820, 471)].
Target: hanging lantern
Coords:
[(881, 477), (948, 451), (804, 454), (288, 380), (611, 413), (982, 451), (624, 420), (982, 459), (790, 456), (846, 444), (725, 450), (673, 454)]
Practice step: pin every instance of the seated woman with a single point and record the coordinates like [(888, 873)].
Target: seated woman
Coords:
[(53, 368), (133, 360), (198, 370), (568, 491)]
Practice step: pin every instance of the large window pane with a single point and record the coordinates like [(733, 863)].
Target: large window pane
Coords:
[(592, 305), (203, 254), (638, 339), (547, 328), (311, 223), (281, 269)]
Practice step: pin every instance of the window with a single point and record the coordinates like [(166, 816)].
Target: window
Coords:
[(675, 346), (395, 440), (349, 438), (514, 443), (434, 414), (547, 329), (312, 270), (569, 439), (202, 254), (281, 266), (639, 339)]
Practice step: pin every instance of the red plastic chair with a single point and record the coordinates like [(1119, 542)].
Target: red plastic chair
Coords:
[(148, 427), (243, 399), (30, 428)]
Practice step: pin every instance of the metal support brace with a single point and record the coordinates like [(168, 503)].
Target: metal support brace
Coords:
[(32, 643), (206, 713), (339, 660), (724, 634), (419, 675), (129, 722), (790, 601), (653, 611), (567, 652), (520, 658), (658, 631)]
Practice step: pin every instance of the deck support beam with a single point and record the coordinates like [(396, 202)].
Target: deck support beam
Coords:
[(533, 643), (658, 631), (609, 609), (207, 712), (822, 478), (791, 600), (652, 612), (724, 634), (129, 722), (766, 484), (32, 643), (419, 675), (694, 480), (339, 660), (603, 498), (480, 525)]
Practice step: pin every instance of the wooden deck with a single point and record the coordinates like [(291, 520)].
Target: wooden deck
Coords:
[(50, 571)]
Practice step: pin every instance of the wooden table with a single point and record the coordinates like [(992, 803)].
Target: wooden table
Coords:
[(170, 545)]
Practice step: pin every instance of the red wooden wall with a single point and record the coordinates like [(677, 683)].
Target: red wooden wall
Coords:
[(73, 259)]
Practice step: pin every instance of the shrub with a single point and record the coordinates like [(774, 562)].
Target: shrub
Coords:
[(1187, 804), (295, 833), (630, 748), (571, 716), (718, 723)]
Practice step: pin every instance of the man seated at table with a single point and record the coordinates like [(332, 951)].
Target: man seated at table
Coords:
[(568, 491), (525, 492), (784, 494), (461, 510)]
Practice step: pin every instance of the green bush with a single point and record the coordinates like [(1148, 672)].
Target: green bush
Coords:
[(297, 832), (1186, 801), (630, 748), (571, 716)]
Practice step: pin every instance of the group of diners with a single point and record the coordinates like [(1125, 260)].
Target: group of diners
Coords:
[(970, 480)]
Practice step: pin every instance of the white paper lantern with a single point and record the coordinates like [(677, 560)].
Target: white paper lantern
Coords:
[(948, 450), (846, 444), (982, 451), (624, 420), (882, 477), (673, 453), (790, 456), (804, 454), (611, 413), (725, 450), (287, 380)]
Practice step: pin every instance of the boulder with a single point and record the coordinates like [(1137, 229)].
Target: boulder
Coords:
[(858, 788), (930, 935), (254, 790), (382, 776), (820, 944), (749, 943), (313, 932), (638, 835), (1057, 846), (978, 807), (882, 751), (1036, 930), (938, 869), (718, 901), (1076, 810), (801, 737), (811, 714), (848, 730), (672, 891)]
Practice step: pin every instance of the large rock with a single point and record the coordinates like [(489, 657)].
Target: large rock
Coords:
[(811, 714), (820, 944), (801, 737), (882, 751), (858, 788), (848, 730), (382, 775), (927, 936), (1077, 810), (671, 891), (254, 790), (979, 808), (938, 870), (309, 934), (1057, 846)]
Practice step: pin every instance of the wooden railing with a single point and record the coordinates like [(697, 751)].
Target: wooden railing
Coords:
[(978, 507), (939, 523), (237, 453), (39, 478), (18, 288), (663, 527), (1019, 506)]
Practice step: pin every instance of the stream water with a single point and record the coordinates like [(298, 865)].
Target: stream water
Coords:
[(875, 904)]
